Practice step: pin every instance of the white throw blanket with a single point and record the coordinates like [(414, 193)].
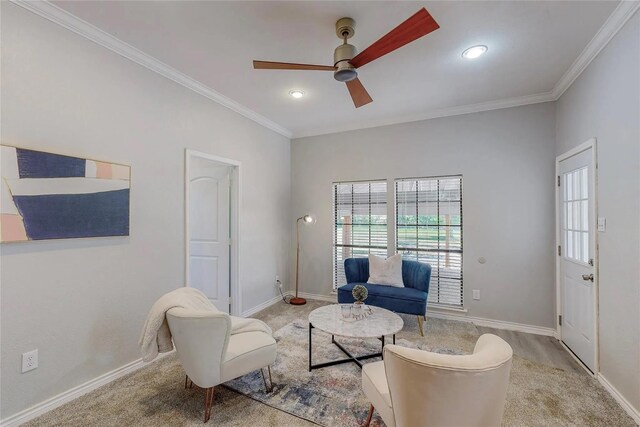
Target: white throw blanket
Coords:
[(156, 336)]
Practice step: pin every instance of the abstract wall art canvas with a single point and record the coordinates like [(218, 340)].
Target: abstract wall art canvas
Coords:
[(50, 196)]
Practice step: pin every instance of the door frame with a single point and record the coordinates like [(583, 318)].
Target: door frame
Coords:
[(593, 212), (234, 223)]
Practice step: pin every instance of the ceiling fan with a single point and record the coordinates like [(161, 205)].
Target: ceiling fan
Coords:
[(346, 61)]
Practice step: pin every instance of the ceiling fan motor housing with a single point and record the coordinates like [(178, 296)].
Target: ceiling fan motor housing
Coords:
[(341, 56), (345, 29)]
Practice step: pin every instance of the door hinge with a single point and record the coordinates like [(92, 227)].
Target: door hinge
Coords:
[(558, 180), (560, 319), (230, 242), (559, 250)]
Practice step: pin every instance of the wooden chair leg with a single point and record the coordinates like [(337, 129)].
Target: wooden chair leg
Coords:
[(187, 382), (268, 388), (368, 421), (420, 325), (208, 402)]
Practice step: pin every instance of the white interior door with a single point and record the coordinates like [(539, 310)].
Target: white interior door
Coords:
[(209, 229), (577, 241)]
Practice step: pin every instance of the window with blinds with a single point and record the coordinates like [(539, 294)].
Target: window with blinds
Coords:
[(360, 218), (429, 229)]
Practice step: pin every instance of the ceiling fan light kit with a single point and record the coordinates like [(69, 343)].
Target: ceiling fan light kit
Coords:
[(346, 58)]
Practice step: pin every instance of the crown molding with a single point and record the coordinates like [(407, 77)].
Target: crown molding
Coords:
[(609, 29), (434, 114), (614, 23), (71, 22)]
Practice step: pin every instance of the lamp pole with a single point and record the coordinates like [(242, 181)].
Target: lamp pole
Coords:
[(307, 219)]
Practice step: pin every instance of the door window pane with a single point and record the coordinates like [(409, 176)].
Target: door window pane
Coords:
[(575, 215)]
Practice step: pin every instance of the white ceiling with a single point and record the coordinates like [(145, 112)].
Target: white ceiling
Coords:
[(531, 45)]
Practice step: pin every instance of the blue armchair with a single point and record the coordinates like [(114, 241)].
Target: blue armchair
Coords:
[(412, 299)]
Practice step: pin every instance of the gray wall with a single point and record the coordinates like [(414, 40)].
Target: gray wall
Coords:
[(507, 160), (82, 302), (604, 102)]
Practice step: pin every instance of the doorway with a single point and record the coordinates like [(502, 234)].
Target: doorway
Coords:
[(577, 265), (211, 228)]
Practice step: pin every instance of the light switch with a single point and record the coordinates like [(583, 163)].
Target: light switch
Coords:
[(602, 224)]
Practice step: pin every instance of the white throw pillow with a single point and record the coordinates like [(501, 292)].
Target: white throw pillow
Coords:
[(386, 271)]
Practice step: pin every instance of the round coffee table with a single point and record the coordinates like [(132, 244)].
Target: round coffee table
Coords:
[(328, 318)]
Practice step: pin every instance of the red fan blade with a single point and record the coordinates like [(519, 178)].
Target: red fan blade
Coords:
[(420, 24), (266, 65), (358, 93)]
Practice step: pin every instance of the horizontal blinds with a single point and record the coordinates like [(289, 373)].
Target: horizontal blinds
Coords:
[(360, 223), (429, 229)]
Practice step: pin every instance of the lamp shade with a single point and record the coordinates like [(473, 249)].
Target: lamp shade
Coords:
[(309, 219)]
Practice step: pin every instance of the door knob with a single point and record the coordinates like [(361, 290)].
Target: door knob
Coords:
[(587, 277)]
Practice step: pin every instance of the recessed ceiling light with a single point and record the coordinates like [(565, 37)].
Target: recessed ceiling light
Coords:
[(296, 93), (474, 51)]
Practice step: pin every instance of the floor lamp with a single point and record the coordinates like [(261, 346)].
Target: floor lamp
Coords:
[(307, 219)]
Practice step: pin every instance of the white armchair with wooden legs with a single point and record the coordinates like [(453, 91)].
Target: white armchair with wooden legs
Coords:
[(210, 355), (413, 388)]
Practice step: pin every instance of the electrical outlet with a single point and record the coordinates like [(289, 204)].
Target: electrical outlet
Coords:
[(476, 294), (278, 282), (602, 224), (29, 360)]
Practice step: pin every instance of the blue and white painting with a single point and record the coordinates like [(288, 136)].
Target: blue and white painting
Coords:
[(51, 196)]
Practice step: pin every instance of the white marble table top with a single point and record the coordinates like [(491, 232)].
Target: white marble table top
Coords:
[(381, 322)]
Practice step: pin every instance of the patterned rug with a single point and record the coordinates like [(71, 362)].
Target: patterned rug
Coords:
[(328, 396), (538, 394)]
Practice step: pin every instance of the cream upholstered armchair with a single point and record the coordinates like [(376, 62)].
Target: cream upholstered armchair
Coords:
[(413, 388), (211, 355)]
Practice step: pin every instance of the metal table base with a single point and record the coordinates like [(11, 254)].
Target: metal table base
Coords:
[(351, 358)]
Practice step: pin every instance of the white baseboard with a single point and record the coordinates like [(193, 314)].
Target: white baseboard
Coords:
[(262, 306), (497, 324), (458, 315), (330, 298), (628, 407), (73, 393), (275, 300)]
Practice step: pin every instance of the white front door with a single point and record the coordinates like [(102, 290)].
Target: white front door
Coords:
[(208, 229), (577, 241)]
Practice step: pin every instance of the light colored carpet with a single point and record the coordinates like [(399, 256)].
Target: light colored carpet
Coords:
[(538, 395), (325, 396)]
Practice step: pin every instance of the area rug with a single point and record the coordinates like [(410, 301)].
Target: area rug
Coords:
[(328, 396), (538, 395)]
